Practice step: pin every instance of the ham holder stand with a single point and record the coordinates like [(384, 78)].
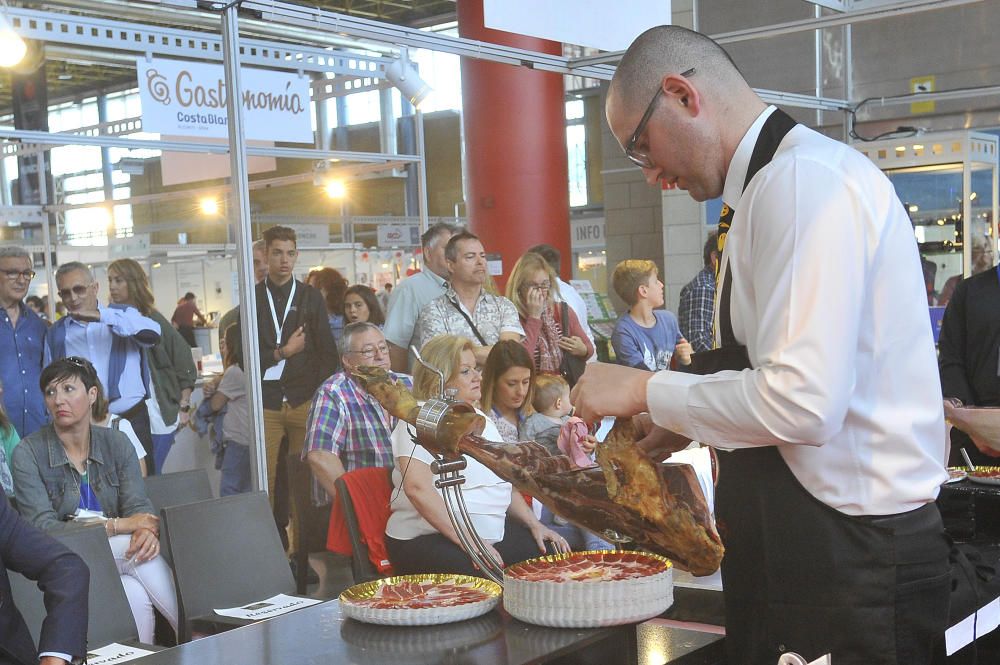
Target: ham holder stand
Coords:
[(449, 477)]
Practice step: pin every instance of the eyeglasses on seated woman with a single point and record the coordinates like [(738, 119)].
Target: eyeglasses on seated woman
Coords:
[(72, 471)]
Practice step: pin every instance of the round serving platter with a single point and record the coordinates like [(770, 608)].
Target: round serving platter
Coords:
[(589, 589), (420, 600), (985, 475)]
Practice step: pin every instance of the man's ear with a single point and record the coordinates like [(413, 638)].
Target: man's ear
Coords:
[(680, 88)]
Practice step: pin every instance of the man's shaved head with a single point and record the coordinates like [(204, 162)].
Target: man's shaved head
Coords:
[(670, 49)]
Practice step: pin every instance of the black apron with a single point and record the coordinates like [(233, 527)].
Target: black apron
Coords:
[(799, 575)]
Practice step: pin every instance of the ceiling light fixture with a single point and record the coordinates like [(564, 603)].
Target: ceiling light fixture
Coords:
[(402, 74), (12, 47)]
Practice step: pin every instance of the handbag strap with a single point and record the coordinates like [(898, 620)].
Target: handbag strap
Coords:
[(468, 319), (565, 318)]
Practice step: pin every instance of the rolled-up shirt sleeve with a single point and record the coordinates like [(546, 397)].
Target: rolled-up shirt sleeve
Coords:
[(510, 321), (809, 251)]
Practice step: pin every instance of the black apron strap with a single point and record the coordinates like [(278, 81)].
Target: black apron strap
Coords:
[(731, 355)]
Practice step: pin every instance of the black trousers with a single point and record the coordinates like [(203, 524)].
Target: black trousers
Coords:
[(187, 332), (138, 418), (800, 576), (434, 553)]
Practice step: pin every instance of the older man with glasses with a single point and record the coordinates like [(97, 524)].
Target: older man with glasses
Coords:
[(348, 429), (112, 338), (22, 338)]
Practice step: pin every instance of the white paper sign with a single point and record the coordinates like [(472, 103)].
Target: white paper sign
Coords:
[(265, 609), (115, 653), (610, 26), (974, 626), (189, 99)]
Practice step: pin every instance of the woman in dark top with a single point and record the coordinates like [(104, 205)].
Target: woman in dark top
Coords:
[(72, 471)]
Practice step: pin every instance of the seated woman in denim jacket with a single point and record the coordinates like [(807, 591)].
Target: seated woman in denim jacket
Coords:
[(73, 471)]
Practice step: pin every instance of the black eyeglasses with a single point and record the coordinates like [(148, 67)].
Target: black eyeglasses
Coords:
[(370, 351), (637, 157), (78, 290), (23, 274)]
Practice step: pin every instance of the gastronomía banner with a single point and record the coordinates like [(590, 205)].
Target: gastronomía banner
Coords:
[(189, 99)]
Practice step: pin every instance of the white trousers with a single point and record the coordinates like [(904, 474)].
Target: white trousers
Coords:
[(147, 585)]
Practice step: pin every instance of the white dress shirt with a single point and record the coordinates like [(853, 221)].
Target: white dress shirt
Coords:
[(828, 297)]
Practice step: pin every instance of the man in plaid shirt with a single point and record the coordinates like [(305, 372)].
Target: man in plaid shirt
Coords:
[(697, 307), (347, 428)]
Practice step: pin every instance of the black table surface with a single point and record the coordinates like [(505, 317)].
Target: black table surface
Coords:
[(320, 634)]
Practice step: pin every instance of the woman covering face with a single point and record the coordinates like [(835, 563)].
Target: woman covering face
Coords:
[(551, 328), (93, 477)]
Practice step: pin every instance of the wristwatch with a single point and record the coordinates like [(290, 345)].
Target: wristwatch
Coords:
[(185, 408)]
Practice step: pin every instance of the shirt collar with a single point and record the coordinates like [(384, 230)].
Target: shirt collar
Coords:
[(22, 309), (732, 192), (434, 277), (453, 296), (284, 290), (57, 453)]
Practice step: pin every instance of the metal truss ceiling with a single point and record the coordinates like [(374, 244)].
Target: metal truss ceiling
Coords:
[(358, 71)]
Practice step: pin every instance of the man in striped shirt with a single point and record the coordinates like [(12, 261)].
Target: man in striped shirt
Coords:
[(347, 428)]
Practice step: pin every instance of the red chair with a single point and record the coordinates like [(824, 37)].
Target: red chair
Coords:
[(357, 521)]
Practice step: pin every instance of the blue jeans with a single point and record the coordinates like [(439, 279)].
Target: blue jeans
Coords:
[(235, 469), (162, 443)]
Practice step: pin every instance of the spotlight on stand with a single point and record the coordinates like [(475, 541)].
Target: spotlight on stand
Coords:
[(12, 47), (402, 74)]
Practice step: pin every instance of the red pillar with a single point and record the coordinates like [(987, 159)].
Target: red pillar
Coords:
[(515, 147)]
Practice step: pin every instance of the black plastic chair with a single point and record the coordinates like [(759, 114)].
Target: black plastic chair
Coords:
[(225, 553), (361, 566), (173, 489), (311, 522), (109, 615)]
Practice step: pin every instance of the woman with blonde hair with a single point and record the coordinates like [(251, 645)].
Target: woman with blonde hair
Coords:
[(551, 328), (420, 537), (171, 366)]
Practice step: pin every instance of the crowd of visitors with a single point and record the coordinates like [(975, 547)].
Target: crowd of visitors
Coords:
[(108, 386)]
